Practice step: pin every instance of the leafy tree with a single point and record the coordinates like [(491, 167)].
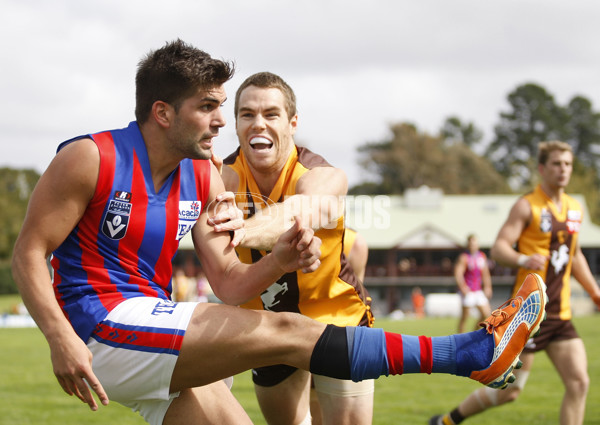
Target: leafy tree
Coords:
[(15, 189), (403, 161), (534, 117), (584, 131), (464, 172), (453, 130), (410, 159)]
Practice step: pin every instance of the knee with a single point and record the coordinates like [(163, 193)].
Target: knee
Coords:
[(508, 395), (511, 394), (494, 397), (578, 385), (287, 319), (287, 322)]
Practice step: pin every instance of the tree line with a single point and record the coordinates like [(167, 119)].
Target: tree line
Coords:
[(15, 189), (409, 158)]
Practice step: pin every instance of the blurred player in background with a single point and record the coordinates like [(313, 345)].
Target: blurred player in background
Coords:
[(544, 225), (474, 282)]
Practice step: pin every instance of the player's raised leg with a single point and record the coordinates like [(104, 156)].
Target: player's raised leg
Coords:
[(221, 343)]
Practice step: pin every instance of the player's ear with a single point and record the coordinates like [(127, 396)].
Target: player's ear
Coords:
[(162, 113), (294, 124)]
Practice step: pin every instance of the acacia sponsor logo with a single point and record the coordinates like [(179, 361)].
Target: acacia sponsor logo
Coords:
[(189, 212)]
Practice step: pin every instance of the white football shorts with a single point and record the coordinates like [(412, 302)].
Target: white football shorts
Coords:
[(474, 299), (135, 350)]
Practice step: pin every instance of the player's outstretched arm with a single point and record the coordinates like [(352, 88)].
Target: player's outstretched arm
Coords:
[(234, 282), (318, 202), (56, 205)]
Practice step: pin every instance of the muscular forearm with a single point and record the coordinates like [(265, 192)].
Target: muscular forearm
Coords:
[(33, 281), (264, 228), (504, 254), (582, 273)]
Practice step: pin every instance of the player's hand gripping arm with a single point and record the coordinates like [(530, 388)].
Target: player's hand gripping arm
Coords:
[(234, 282), (57, 204), (228, 218)]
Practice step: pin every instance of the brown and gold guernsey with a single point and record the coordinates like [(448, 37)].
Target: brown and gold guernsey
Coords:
[(554, 234), (332, 294)]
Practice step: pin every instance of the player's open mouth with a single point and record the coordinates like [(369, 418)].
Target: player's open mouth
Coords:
[(260, 143)]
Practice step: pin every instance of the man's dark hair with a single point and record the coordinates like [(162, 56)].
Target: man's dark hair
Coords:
[(174, 73)]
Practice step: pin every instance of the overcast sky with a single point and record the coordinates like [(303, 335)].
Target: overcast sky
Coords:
[(68, 66)]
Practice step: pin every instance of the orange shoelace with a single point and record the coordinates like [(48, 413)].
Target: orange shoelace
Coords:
[(502, 314)]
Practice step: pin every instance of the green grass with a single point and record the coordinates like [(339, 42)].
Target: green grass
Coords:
[(7, 302), (29, 392)]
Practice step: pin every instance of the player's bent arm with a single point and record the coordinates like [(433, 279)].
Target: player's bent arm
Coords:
[(502, 251), (459, 273), (234, 282), (581, 271), (319, 201), (486, 279), (358, 257), (56, 205)]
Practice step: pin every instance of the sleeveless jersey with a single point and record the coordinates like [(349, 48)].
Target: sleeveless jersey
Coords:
[(126, 240), (349, 239), (554, 234), (475, 263), (332, 294)]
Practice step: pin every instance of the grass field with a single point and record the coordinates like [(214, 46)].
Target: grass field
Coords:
[(29, 393)]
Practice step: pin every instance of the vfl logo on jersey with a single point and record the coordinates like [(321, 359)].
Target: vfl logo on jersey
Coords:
[(116, 218), (546, 221), (189, 211), (573, 221)]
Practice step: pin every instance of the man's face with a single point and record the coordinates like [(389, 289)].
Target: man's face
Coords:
[(473, 244), (264, 130), (556, 172), (197, 122)]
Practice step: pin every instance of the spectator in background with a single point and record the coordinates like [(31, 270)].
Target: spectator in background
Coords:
[(418, 302), (202, 287)]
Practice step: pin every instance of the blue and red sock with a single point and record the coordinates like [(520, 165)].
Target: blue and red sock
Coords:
[(359, 353)]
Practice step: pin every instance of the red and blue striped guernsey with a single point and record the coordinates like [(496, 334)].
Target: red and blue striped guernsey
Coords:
[(125, 243)]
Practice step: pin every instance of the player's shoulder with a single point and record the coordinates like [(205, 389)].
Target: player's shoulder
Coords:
[(230, 177), (310, 159), (572, 201)]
